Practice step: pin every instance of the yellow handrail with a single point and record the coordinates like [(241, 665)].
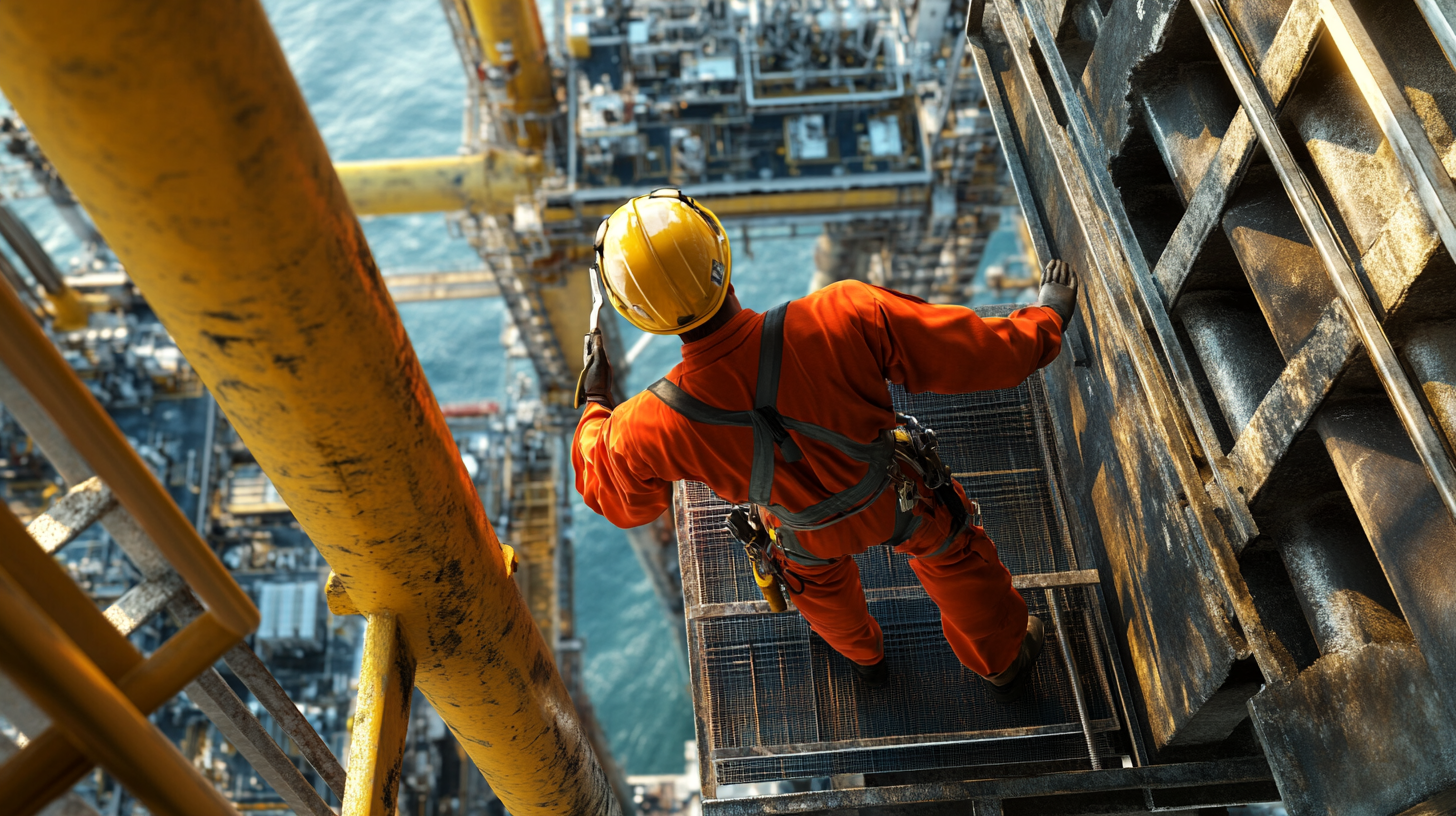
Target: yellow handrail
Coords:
[(39, 367), (54, 761), (45, 621)]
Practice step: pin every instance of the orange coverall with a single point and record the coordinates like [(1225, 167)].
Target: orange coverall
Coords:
[(841, 344)]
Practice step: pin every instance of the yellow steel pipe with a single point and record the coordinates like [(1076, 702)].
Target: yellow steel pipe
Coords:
[(381, 720), (180, 129), (759, 205), (486, 182), (515, 47)]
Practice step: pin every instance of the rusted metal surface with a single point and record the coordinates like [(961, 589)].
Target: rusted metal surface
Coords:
[(1223, 326), (1383, 479), (248, 667), (1169, 597), (1286, 165), (1292, 401), (1347, 284), (144, 600), (1157, 777), (1334, 711), (210, 693), (82, 506), (1430, 350)]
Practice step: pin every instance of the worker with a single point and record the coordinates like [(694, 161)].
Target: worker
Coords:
[(789, 410)]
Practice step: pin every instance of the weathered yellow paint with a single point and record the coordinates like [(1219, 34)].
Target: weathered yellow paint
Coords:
[(511, 38), (381, 720), (337, 597), (568, 310), (179, 128), (810, 202), (482, 182)]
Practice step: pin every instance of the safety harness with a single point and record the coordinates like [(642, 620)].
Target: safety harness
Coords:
[(907, 445)]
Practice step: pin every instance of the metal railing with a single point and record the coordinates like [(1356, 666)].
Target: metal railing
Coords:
[(140, 757)]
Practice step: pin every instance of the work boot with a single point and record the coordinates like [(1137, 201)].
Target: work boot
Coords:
[(876, 676), (1010, 685)]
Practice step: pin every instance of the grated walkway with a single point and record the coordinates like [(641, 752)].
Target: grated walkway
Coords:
[(773, 701)]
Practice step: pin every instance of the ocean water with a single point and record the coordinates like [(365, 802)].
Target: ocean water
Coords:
[(383, 80)]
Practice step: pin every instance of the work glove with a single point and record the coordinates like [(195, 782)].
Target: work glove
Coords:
[(1059, 290), (595, 382)]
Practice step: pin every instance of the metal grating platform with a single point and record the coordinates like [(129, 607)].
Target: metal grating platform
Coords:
[(773, 701)]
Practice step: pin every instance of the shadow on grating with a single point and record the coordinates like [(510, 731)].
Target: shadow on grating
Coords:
[(782, 704), (995, 446), (1001, 753)]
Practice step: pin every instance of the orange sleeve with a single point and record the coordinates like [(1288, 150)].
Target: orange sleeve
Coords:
[(952, 350), (613, 481)]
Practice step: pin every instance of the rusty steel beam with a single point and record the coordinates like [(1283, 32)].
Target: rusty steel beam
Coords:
[(1102, 217), (1403, 395), (1292, 401), (210, 693)]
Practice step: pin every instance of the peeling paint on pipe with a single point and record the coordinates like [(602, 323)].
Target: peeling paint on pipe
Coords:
[(180, 128)]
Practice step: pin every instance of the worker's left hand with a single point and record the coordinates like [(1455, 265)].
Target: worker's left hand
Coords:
[(1059, 290), (595, 382)]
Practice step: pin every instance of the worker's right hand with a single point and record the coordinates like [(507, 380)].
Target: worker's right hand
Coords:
[(595, 382), (1059, 290)]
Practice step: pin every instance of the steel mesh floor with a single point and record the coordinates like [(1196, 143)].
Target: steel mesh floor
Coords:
[(911, 758), (993, 443), (775, 702)]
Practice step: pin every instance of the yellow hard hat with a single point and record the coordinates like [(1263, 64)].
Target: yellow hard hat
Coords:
[(665, 261)]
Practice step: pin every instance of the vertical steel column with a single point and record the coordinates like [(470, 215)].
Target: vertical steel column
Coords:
[(515, 50), (381, 720), (180, 128), (1074, 677)]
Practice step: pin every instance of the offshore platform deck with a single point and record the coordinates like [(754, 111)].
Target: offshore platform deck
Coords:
[(774, 702)]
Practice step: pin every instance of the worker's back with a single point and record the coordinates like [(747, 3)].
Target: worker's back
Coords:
[(840, 346)]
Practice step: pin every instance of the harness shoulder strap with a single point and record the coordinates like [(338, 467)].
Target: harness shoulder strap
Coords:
[(771, 429), (695, 409), (770, 357)]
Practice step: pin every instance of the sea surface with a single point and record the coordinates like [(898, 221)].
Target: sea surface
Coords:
[(383, 80)]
